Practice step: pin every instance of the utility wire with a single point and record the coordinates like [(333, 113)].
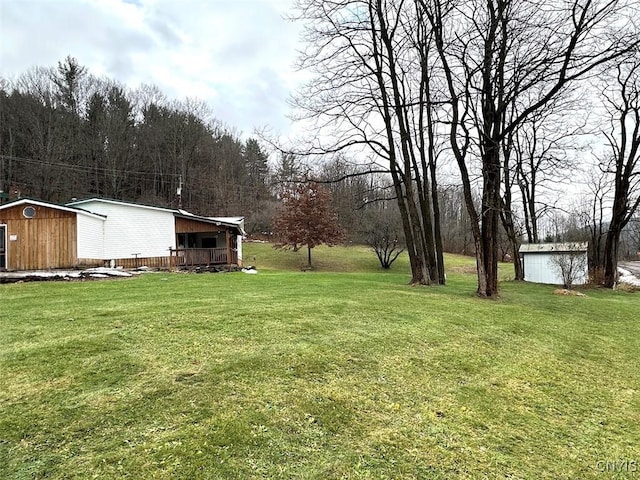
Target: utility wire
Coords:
[(84, 168)]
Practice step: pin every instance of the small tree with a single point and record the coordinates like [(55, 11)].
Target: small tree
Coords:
[(307, 218), (383, 233), (570, 265)]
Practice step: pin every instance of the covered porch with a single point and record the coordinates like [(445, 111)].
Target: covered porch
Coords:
[(203, 241)]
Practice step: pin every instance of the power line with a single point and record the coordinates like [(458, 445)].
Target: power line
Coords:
[(85, 168), (18, 178), (129, 174)]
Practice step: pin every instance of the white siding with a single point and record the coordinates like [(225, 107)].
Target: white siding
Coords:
[(90, 236), (135, 229), (538, 268)]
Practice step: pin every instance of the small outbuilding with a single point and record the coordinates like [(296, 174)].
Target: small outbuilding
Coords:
[(550, 263)]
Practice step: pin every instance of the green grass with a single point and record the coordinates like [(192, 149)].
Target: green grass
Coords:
[(343, 372)]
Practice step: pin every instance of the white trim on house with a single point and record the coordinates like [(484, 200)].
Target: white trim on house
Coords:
[(235, 222), (6, 246)]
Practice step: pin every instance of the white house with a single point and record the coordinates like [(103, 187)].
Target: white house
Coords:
[(96, 231), (149, 234), (543, 262), (131, 229)]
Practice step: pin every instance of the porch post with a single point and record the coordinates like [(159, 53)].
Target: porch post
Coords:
[(228, 237)]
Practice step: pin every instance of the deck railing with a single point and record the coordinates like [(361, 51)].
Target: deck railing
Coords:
[(189, 257)]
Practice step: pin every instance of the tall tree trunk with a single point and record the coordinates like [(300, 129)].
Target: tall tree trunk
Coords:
[(418, 223), (612, 241), (509, 227), (490, 218), (611, 259), (437, 230), (417, 269), (506, 211), (421, 275)]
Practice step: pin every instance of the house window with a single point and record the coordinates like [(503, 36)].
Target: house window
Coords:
[(29, 212), (187, 240), (209, 242)]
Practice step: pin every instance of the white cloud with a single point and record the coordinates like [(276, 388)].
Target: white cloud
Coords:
[(237, 56)]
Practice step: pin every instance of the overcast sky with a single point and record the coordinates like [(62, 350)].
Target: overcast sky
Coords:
[(236, 55)]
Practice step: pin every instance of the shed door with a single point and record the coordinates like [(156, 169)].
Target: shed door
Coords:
[(3, 246)]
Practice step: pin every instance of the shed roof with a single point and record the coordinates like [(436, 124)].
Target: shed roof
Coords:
[(554, 247)]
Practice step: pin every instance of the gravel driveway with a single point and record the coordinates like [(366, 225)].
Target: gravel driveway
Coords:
[(633, 267)]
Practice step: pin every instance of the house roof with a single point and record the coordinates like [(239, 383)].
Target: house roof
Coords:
[(119, 202), (554, 247), (40, 203), (233, 222)]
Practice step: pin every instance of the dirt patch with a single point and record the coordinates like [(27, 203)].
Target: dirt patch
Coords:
[(564, 291), (465, 269), (627, 287)]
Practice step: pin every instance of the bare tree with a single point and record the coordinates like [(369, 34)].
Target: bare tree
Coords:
[(383, 233), (457, 236), (623, 104), (373, 93), (634, 238), (542, 162), (591, 211), (497, 54), (571, 265)]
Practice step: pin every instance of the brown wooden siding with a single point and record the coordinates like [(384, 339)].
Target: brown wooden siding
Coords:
[(48, 240), (186, 225), (151, 262)]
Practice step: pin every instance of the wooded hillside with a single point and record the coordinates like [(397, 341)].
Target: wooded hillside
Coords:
[(65, 133)]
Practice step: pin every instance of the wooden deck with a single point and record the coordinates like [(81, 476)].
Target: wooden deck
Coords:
[(190, 257)]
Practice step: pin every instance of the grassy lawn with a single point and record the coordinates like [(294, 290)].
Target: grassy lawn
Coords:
[(343, 372)]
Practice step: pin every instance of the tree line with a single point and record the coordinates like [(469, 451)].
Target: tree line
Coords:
[(65, 133)]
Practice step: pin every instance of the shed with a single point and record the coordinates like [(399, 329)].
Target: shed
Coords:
[(541, 262)]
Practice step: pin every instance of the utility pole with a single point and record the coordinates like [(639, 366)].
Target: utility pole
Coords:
[(3, 194), (179, 192)]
